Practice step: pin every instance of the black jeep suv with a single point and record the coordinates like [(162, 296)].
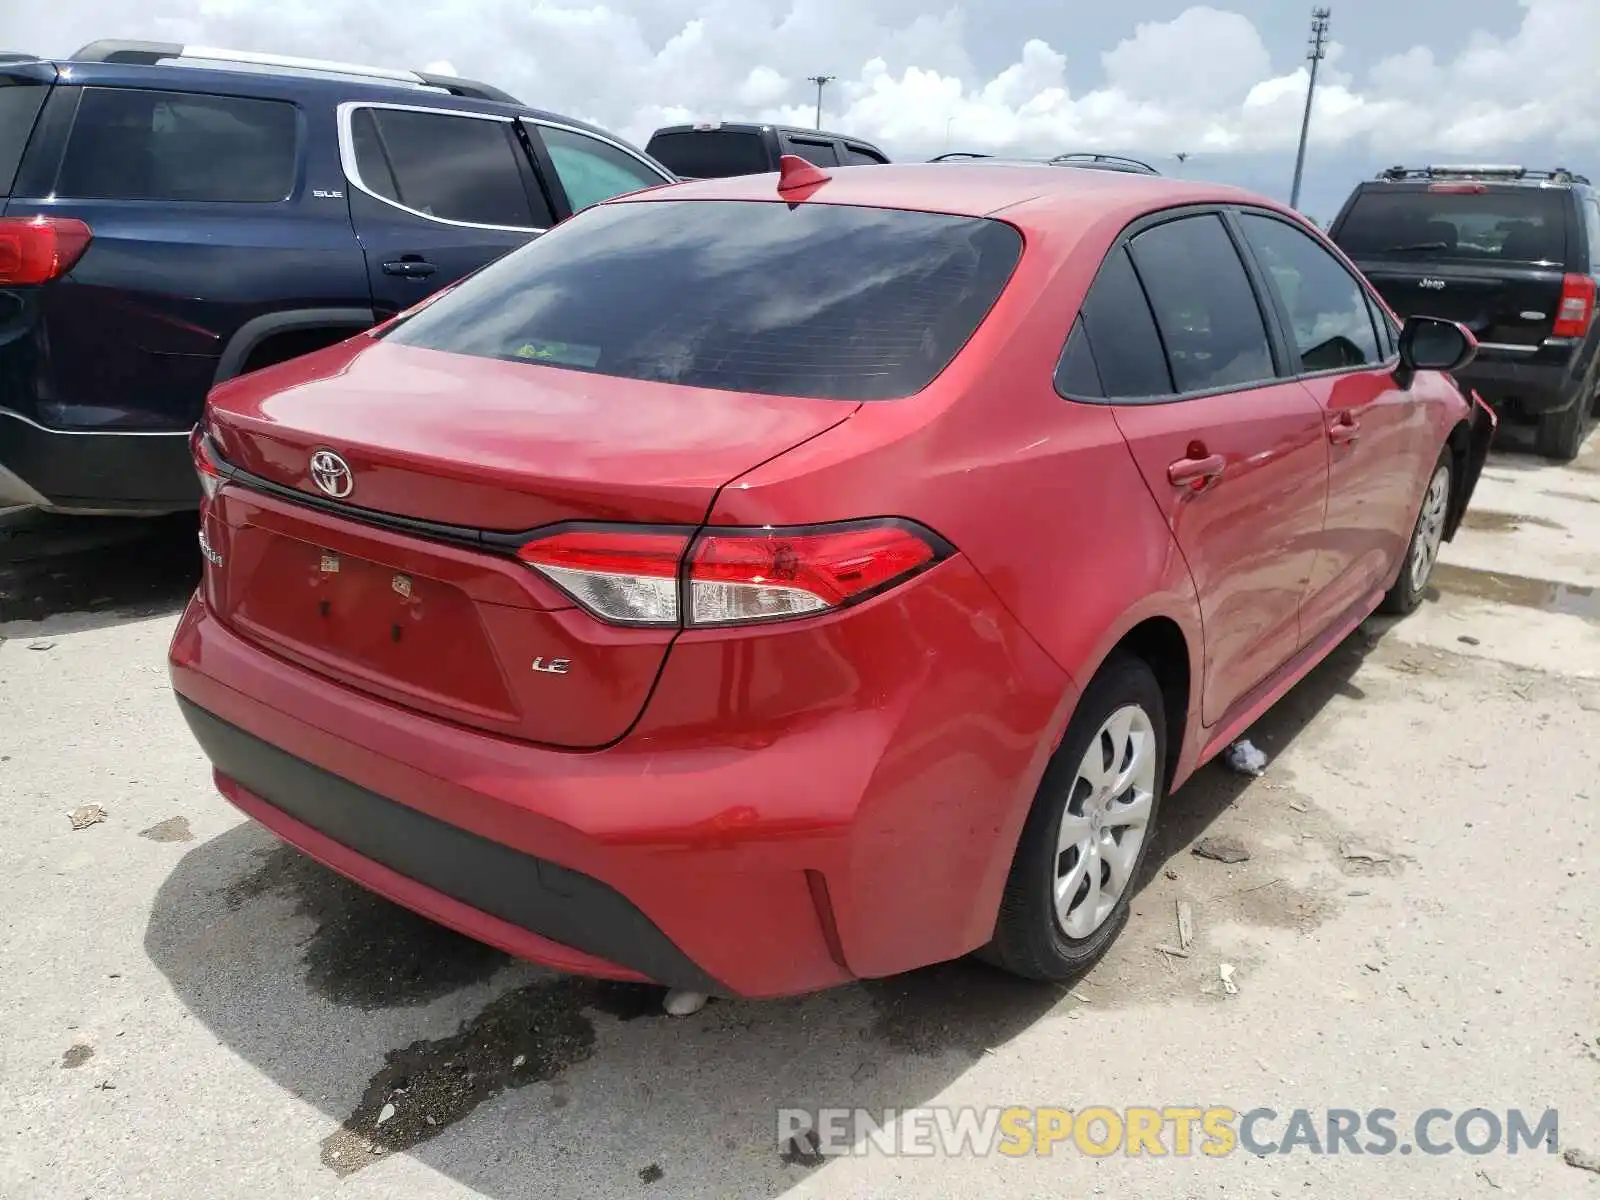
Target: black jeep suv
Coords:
[(1511, 253), (716, 150), (171, 217)]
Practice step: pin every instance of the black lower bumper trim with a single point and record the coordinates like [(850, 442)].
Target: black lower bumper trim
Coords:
[(565, 906), (130, 473)]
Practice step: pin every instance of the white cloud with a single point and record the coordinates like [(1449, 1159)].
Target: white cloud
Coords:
[(1204, 81)]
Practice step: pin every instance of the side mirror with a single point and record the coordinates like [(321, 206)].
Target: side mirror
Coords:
[(1433, 344)]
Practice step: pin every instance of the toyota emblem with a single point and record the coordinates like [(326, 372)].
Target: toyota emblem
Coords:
[(331, 474)]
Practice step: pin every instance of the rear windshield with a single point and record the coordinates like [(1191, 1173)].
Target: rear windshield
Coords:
[(1522, 225), (816, 300), (19, 107), (710, 154)]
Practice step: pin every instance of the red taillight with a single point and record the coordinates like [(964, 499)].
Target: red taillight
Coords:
[(732, 576), (205, 463), (39, 249), (1576, 309)]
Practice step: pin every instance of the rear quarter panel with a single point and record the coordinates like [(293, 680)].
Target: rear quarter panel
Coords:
[(1040, 495)]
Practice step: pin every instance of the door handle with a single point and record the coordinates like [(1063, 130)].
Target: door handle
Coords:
[(1344, 431), (410, 267), (1202, 471)]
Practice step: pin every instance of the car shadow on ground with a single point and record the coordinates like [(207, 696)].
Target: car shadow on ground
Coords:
[(416, 1041), (62, 575)]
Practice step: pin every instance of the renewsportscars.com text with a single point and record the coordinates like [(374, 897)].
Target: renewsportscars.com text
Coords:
[(1175, 1130)]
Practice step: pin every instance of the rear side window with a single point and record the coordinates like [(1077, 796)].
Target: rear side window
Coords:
[(1510, 225), (1121, 333), (823, 154), (1204, 305), (452, 168), (856, 157), (710, 153), (19, 108), (591, 170), (1327, 309), (812, 300), (1591, 219), (129, 144)]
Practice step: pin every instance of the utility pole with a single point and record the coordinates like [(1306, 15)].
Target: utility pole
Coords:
[(1319, 43), (821, 81)]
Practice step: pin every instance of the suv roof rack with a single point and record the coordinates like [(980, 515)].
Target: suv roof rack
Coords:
[(952, 154), (153, 53), (1490, 171)]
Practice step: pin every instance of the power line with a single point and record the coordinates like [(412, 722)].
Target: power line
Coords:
[(1318, 51), (821, 81)]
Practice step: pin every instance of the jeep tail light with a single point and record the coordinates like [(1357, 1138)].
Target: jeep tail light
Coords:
[(38, 249), (205, 463), (1576, 309), (644, 576)]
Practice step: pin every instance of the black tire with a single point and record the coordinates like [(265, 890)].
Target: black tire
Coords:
[(1028, 940), (1408, 590), (1560, 434)]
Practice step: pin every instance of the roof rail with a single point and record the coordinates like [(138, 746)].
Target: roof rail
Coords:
[(1110, 160), (1480, 171), (153, 53), (953, 154)]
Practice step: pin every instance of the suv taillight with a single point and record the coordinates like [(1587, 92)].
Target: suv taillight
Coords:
[(39, 249), (1576, 309), (646, 576)]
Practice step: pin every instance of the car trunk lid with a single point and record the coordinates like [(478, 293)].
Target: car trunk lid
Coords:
[(399, 587)]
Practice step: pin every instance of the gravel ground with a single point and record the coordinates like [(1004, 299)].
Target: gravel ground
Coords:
[(194, 1010)]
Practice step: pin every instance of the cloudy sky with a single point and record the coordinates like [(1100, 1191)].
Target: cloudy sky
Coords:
[(1405, 80)]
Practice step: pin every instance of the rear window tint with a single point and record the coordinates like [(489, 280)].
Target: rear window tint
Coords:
[(1527, 225), (19, 108), (129, 144), (710, 153), (813, 300)]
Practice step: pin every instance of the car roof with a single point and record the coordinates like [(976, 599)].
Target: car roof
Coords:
[(1028, 194)]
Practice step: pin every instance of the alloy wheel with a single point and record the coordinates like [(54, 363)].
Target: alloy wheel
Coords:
[(1430, 529)]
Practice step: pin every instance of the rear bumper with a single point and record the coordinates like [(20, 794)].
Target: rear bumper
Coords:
[(92, 472), (1540, 382), (740, 854)]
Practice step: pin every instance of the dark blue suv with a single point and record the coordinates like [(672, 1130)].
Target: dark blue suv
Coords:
[(171, 217)]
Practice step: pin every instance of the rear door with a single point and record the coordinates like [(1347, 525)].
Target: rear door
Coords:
[(1491, 256), (1379, 441), (1234, 455), (435, 194)]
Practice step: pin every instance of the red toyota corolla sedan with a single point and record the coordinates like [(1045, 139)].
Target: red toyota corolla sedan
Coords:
[(763, 583)]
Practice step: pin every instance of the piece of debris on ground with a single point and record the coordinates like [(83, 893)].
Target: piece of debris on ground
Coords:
[(1185, 924), (1225, 972), (1582, 1159), (1356, 852), (681, 1002), (86, 815), (1245, 758), (1223, 848)]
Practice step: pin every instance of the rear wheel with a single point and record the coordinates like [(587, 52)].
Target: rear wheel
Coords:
[(1086, 837), (1560, 434), (1427, 539)]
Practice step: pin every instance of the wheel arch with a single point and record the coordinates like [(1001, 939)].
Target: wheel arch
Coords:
[(257, 331)]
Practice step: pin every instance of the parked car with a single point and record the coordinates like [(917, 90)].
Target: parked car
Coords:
[(1511, 253), (1093, 160), (717, 150), (171, 217), (754, 585)]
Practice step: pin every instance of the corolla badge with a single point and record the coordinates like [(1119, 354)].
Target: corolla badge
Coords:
[(331, 474), (1433, 284)]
